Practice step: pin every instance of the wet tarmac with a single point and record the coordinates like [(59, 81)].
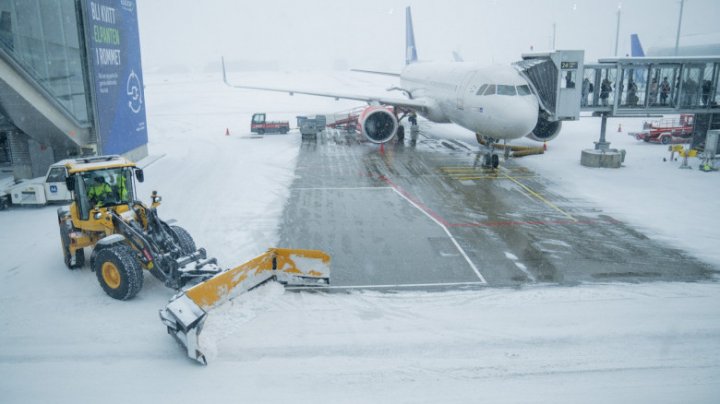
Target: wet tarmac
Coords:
[(427, 215)]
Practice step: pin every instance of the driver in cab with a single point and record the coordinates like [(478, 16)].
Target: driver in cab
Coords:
[(99, 192)]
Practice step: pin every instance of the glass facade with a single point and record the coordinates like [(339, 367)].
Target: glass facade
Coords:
[(43, 37)]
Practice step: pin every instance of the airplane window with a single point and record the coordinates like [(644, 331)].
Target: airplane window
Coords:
[(506, 90), (523, 89), (481, 90), (490, 90)]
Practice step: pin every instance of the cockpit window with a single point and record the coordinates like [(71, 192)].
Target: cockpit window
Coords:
[(506, 90), (523, 89), (481, 90), (490, 90)]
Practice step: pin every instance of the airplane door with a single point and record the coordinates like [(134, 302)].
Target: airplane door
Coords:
[(462, 90), (55, 188)]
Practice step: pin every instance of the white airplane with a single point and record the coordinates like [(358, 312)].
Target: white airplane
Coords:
[(495, 102)]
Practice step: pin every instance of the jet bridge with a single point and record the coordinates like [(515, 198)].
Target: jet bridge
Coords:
[(553, 77), (625, 87), (645, 86)]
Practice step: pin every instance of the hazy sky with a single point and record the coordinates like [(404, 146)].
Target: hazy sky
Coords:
[(322, 34)]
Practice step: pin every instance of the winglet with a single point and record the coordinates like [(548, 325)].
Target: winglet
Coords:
[(636, 49), (410, 50)]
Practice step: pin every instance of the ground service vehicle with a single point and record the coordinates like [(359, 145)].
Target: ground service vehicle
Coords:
[(127, 237), (36, 191), (309, 127), (260, 126), (667, 131)]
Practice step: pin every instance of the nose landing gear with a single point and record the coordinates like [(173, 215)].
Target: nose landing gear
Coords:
[(491, 159)]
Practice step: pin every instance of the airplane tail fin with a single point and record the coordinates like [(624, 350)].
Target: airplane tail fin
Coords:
[(410, 50), (636, 49)]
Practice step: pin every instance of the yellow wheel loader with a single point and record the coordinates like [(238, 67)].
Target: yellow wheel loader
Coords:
[(127, 237)]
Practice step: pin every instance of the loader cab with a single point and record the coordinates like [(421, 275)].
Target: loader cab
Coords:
[(103, 188)]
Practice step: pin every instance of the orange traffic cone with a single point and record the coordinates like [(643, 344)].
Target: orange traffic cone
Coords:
[(619, 127), (227, 131)]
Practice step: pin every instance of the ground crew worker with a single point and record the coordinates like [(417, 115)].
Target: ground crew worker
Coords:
[(413, 118), (122, 188), (99, 192)]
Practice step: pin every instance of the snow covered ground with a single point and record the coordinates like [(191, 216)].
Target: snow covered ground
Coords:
[(63, 340)]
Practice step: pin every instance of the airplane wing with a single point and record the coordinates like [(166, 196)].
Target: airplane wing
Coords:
[(376, 72), (418, 104), (414, 104)]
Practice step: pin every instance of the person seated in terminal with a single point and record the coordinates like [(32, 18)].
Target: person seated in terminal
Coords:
[(586, 90), (690, 90), (605, 89), (706, 89), (99, 192), (653, 91), (664, 91), (632, 98), (569, 83)]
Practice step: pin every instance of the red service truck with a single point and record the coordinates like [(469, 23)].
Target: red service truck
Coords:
[(260, 126)]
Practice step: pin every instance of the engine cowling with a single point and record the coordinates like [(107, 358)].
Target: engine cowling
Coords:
[(378, 124), (545, 129)]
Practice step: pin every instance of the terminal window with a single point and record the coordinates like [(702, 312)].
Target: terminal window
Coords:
[(43, 37), (4, 150)]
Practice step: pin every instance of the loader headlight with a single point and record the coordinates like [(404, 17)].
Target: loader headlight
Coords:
[(97, 215)]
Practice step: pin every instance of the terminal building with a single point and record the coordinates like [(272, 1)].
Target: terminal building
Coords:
[(71, 83)]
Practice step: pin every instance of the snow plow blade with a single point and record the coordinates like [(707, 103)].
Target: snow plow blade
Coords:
[(186, 312)]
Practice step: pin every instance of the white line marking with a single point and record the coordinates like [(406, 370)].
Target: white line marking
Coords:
[(460, 249), (474, 268)]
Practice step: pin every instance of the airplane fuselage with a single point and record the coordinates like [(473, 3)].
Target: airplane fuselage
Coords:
[(493, 101)]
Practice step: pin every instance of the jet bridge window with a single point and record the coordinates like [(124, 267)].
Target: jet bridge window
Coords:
[(506, 90), (490, 90), (482, 89), (568, 80), (523, 89)]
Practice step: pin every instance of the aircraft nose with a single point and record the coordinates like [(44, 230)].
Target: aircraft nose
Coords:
[(520, 118)]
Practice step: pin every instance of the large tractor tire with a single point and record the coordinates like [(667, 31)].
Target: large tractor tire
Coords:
[(118, 271), (66, 228), (187, 244)]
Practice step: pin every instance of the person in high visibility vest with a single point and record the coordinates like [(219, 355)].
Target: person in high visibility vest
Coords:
[(99, 191), (122, 187)]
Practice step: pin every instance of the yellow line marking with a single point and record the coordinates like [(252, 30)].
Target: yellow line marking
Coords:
[(535, 194)]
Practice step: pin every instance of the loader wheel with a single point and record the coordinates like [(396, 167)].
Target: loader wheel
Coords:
[(118, 271), (65, 230), (187, 244)]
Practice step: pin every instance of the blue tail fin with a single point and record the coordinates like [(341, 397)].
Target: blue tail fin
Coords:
[(636, 49), (410, 51)]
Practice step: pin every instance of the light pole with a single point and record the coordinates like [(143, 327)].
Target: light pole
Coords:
[(617, 29), (677, 37)]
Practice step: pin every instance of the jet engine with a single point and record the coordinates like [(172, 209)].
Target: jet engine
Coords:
[(378, 124), (545, 129)]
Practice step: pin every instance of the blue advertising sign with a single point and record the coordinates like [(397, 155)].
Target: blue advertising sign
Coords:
[(113, 43)]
